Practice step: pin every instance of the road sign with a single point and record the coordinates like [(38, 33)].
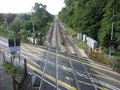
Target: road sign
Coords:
[(17, 42), (13, 49), (13, 42), (14, 45)]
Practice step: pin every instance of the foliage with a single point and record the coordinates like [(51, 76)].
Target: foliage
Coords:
[(24, 34), (94, 18), (101, 58), (16, 25), (1, 19), (81, 44), (21, 25), (41, 17), (10, 68)]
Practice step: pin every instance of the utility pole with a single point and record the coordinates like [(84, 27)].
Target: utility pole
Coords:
[(112, 25), (33, 26), (111, 47)]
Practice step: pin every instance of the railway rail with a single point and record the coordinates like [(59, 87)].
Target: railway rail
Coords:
[(69, 67), (61, 41)]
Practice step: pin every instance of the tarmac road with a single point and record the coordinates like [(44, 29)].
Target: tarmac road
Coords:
[(64, 76)]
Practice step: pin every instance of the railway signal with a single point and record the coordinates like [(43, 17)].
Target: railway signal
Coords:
[(113, 43)]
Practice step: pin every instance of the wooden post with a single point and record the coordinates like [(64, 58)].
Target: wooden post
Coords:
[(14, 83), (19, 57), (4, 56), (11, 59), (25, 68)]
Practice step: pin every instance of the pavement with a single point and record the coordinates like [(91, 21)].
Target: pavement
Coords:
[(5, 79)]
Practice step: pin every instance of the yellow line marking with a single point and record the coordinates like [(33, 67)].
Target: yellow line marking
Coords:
[(52, 78), (30, 60), (48, 76), (30, 46), (112, 72), (101, 88), (69, 78), (101, 74), (92, 63), (29, 51), (84, 83), (105, 76)]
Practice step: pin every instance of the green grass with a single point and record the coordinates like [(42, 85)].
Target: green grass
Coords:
[(9, 68), (73, 32), (81, 44)]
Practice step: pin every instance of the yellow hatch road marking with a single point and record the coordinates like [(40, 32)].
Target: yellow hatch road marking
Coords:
[(52, 78), (68, 78), (48, 76), (85, 64), (100, 74)]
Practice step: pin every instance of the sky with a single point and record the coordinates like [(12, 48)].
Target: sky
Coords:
[(22, 6)]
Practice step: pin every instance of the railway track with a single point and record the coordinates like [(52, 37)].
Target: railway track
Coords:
[(61, 41), (59, 35)]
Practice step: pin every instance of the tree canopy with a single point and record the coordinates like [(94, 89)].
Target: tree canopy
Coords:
[(94, 18), (22, 23)]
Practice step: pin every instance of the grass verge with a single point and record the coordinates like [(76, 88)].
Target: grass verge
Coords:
[(9, 68)]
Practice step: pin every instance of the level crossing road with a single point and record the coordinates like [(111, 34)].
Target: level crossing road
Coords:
[(97, 77), (62, 72)]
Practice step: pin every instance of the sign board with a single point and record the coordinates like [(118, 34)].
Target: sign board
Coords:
[(79, 36), (13, 42), (14, 45), (84, 37), (92, 43), (13, 49), (17, 42)]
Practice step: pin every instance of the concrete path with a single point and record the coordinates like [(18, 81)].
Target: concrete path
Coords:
[(5, 79)]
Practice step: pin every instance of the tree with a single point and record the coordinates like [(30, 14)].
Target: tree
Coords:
[(1, 19), (24, 34), (41, 17), (16, 25)]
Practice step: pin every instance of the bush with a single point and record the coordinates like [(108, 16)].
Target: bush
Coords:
[(99, 57), (10, 68)]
